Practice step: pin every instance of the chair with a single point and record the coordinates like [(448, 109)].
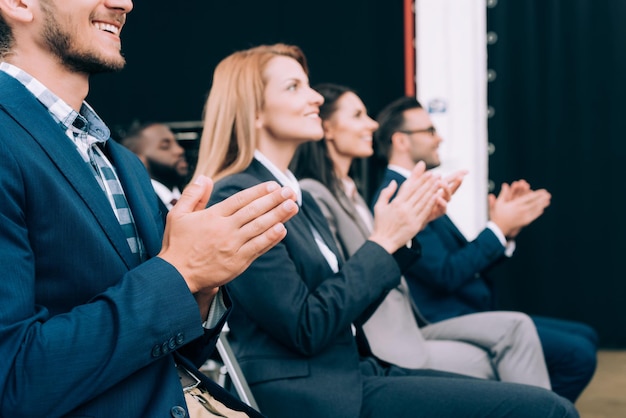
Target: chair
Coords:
[(230, 373)]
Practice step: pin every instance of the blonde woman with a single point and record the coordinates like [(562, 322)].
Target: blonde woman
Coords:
[(296, 306)]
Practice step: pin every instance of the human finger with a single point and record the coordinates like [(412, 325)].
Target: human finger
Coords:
[(260, 244), (457, 174), (505, 192), (439, 208), (266, 222), (245, 197), (284, 196), (416, 178), (542, 197), (455, 179), (428, 186), (519, 188), (194, 197), (385, 194)]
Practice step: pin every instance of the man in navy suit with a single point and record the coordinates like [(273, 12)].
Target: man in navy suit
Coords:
[(99, 306), (450, 278)]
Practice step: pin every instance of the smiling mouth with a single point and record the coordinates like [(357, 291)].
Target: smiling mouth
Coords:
[(107, 27)]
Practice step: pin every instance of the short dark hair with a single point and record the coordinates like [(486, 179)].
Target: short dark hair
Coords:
[(131, 139), (6, 38), (312, 159), (391, 120)]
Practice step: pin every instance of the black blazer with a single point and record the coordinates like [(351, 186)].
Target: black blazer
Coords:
[(292, 316)]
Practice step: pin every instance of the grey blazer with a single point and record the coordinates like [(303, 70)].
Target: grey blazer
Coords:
[(392, 331)]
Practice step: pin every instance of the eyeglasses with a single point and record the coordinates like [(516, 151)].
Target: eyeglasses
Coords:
[(430, 130)]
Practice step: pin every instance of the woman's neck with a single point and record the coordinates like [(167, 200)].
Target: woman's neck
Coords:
[(280, 153), (341, 164)]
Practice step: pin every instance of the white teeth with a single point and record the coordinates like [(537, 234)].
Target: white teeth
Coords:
[(107, 27)]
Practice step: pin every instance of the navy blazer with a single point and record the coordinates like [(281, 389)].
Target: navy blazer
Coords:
[(450, 278), (84, 330), (292, 316)]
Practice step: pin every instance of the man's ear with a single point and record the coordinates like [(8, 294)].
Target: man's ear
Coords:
[(17, 10), (399, 141)]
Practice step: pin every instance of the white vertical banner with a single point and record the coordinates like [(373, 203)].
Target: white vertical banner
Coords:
[(451, 79)]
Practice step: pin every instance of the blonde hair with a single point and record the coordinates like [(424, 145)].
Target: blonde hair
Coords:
[(229, 136)]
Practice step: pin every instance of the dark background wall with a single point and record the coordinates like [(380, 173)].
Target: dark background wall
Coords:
[(172, 51), (559, 115), (559, 121)]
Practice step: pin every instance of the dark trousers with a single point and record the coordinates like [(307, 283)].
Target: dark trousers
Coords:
[(570, 350), (398, 392)]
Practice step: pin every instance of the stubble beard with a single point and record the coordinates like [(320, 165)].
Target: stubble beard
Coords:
[(61, 45)]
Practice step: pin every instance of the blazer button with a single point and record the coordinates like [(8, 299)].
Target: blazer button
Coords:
[(178, 412), (165, 348), (171, 344), (180, 338), (156, 351)]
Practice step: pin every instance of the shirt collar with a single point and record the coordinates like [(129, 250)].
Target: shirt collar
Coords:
[(165, 194), (349, 187), (400, 170), (86, 120), (285, 178)]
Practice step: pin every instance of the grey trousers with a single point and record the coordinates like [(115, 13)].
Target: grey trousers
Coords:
[(488, 345), (491, 345)]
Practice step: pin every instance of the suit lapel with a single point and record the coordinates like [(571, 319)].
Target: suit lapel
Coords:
[(394, 175), (310, 211), (316, 218), (26, 110), (350, 209), (390, 176)]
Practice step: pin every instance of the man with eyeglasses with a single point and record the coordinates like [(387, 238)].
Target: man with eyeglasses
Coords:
[(450, 279)]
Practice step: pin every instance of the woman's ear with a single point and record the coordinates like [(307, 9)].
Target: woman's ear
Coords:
[(258, 121), (329, 132)]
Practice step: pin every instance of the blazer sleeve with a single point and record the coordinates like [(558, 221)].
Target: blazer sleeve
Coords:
[(200, 349), (67, 357), (291, 293), (446, 265)]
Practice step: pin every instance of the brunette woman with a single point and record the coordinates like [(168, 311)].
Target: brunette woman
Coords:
[(491, 345)]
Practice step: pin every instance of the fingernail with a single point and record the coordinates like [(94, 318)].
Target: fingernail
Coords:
[(279, 227), (200, 180), (272, 186), (289, 205), (286, 192)]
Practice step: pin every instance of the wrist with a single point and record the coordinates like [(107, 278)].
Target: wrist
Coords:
[(387, 245)]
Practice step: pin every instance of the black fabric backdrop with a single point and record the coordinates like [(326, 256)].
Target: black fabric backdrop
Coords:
[(559, 122), (559, 115), (172, 50)]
